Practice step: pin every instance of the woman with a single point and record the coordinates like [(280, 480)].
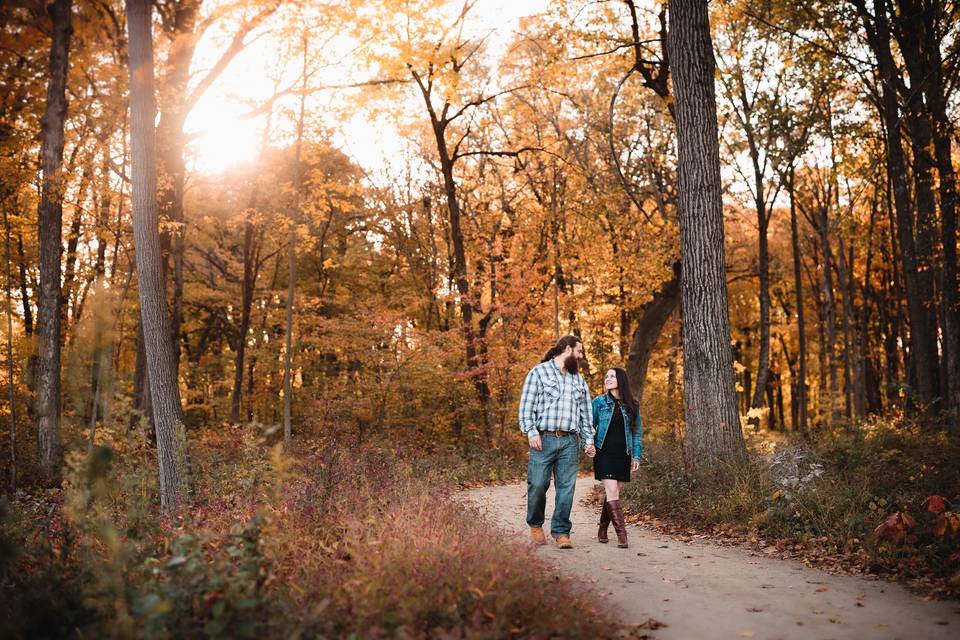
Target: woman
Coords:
[(616, 423)]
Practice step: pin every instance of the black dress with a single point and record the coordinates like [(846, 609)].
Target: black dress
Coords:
[(612, 462)]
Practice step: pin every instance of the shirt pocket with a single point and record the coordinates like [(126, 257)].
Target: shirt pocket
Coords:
[(551, 389), (579, 393)]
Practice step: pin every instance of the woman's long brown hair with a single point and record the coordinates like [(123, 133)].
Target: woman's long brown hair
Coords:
[(626, 397)]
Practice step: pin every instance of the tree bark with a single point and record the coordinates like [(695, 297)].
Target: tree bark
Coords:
[(24, 287), (252, 238), (801, 420), (50, 232), (763, 359), (11, 395), (713, 430), (180, 29), (292, 264), (250, 264), (922, 338), (142, 402), (950, 295), (910, 33), (70, 259), (164, 390), (829, 313), (653, 317), (850, 369), (474, 362), (763, 253)]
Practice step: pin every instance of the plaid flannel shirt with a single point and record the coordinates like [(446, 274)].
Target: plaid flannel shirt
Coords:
[(552, 400)]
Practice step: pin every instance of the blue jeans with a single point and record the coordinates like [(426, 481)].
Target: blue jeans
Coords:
[(559, 458)]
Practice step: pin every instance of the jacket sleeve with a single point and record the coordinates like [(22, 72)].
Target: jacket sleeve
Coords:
[(587, 429), (638, 439), (528, 404)]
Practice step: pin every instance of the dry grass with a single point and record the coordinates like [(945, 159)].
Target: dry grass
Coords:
[(337, 541)]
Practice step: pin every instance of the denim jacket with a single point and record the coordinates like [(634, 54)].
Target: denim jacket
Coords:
[(603, 412)]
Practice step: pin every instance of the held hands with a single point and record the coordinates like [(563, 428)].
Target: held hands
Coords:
[(590, 450), (634, 464)]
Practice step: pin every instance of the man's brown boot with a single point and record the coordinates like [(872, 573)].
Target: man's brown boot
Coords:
[(536, 535), (563, 542), (619, 524), (604, 523)]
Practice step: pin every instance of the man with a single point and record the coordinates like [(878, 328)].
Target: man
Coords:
[(555, 412)]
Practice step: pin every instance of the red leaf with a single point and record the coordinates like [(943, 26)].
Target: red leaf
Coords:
[(936, 504)]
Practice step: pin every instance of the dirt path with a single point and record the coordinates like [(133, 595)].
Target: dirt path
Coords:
[(701, 590)]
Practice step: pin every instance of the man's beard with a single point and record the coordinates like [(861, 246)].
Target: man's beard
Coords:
[(572, 365)]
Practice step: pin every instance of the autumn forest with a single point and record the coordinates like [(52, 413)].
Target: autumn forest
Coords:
[(275, 272)]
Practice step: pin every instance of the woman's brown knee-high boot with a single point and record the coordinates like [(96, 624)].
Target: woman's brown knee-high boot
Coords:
[(619, 525), (604, 522)]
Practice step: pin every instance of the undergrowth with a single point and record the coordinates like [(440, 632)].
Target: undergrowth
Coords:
[(338, 540), (878, 497)]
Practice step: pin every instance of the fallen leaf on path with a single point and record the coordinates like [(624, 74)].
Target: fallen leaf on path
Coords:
[(822, 589), (837, 620), (754, 609), (652, 624)]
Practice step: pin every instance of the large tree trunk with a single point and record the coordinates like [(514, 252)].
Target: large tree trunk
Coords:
[(713, 428), (653, 316), (161, 365), (50, 223)]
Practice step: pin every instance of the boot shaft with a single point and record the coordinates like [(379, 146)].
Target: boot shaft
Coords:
[(619, 524)]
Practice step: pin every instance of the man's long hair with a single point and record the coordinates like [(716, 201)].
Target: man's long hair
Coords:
[(561, 346), (626, 397)]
